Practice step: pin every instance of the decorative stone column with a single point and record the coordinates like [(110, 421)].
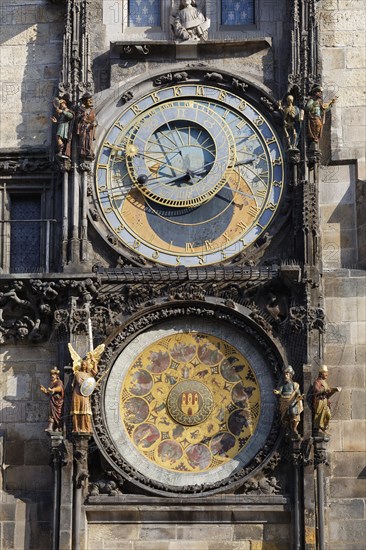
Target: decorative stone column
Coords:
[(320, 460), (80, 485), (57, 459)]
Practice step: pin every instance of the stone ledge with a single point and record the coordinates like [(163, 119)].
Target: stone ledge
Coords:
[(345, 272), (230, 510)]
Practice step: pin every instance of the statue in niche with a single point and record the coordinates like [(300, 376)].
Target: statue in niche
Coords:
[(276, 307), (321, 405), (86, 124), (316, 110), (291, 399), (56, 393), (64, 120), (189, 23), (292, 121), (84, 384)]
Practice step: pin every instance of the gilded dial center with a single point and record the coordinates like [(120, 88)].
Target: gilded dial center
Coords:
[(190, 402)]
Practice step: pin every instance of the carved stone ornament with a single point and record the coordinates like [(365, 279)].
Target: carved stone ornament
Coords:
[(268, 103), (142, 49), (320, 450), (25, 165), (239, 85), (61, 317), (126, 97), (297, 451), (187, 292), (26, 309), (189, 23), (81, 467), (79, 321), (311, 318), (171, 77), (265, 482), (143, 436), (110, 485), (111, 303)]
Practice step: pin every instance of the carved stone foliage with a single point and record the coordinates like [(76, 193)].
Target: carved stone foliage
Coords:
[(111, 304), (320, 450), (263, 291), (265, 482), (310, 209), (76, 74), (144, 322), (307, 318), (28, 308), (24, 165), (81, 470), (110, 484), (297, 451)]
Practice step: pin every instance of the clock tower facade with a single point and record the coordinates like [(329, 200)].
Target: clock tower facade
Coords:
[(179, 281)]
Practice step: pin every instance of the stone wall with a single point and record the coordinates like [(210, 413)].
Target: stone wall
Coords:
[(338, 217), (206, 537), (211, 532), (31, 51), (342, 193), (258, 54), (342, 25), (345, 352), (26, 475)]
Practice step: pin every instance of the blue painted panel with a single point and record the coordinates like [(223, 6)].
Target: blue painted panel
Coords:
[(142, 13), (237, 12)]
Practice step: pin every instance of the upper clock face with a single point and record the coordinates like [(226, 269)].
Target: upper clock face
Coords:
[(189, 175)]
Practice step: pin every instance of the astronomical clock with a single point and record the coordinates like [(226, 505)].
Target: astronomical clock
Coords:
[(188, 403), (188, 174)]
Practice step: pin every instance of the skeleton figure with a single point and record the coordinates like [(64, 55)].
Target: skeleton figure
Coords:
[(292, 120)]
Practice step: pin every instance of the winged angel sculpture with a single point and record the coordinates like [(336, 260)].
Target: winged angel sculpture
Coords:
[(84, 384)]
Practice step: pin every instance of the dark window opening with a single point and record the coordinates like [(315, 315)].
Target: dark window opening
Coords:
[(25, 234)]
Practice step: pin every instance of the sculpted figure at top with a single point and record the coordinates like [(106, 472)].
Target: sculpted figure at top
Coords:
[(189, 23)]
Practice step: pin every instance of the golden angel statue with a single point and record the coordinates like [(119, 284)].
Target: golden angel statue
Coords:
[(83, 386)]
